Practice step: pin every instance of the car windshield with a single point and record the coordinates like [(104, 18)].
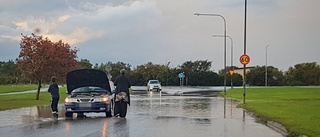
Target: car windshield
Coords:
[(89, 90), (154, 82)]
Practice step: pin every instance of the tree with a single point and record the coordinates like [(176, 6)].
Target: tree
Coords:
[(116, 67), (85, 64), (275, 77), (8, 72), (236, 79), (40, 58), (196, 67), (303, 74), (198, 73), (151, 71), (205, 78), (256, 76)]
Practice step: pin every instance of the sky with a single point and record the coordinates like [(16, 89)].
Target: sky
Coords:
[(166, 31)]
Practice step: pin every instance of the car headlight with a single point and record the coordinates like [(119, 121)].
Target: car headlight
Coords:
[(70, 100), (102, 99)]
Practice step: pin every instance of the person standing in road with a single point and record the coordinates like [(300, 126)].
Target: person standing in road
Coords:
[(54, 90), (122, 95)]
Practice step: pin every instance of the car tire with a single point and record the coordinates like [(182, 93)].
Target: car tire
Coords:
[(68, 114), (80, 115), (108, 114)]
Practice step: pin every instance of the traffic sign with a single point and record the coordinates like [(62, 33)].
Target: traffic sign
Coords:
[(231, 71), (181, 75), (244, 59)]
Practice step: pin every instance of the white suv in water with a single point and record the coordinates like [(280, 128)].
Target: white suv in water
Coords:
[(154, 85)]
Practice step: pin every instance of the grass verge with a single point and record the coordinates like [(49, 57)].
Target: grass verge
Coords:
[(27, 100), (296, 108)]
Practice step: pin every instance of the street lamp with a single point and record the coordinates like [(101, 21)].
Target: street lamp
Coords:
[(231, 52), (266, 67), (225, 35)]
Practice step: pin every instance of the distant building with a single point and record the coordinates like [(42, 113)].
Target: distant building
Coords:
[(240, 70)]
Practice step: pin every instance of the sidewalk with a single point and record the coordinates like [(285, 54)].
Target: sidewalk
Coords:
[(25, 92)]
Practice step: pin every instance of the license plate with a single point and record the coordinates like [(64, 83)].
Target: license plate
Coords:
[(85, 105)]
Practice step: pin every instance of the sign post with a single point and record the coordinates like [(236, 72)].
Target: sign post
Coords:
[(231, 71), (244, 60), (181, 76)]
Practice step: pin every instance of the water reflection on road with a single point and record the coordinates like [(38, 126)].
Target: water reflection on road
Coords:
[(185, 106), (149, 115)]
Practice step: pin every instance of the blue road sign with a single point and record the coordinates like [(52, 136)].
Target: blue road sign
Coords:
[(181, 75)]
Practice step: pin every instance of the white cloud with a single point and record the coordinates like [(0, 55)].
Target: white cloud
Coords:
[(63, 18), (81, 26), (77, 36), (22, 25)]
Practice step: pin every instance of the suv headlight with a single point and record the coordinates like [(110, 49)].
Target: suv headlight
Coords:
[(70, 100)]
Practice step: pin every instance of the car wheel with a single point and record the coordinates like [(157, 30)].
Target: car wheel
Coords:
[(80, 115), (108, 114), (68, 114)]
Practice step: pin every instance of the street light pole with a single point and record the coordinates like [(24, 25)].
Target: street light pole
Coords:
[(244, 51), (231, 52), (266, 67), (225, 35)]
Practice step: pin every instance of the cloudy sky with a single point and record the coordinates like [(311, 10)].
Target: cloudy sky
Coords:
[(162, 31)]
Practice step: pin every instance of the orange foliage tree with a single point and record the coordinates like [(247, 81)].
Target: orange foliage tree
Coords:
[(40, 58)]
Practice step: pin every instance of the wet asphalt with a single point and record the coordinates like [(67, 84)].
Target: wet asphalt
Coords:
[(150, 115)]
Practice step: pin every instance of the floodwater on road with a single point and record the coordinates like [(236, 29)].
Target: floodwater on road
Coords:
[(150, 115)]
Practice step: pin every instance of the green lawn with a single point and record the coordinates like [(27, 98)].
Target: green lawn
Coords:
[(27, 100), (16, 88), (296, 108)]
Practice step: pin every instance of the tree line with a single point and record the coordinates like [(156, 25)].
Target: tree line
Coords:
[(197, 73)]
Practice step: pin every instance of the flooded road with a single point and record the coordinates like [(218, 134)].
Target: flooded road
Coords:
[(150, 115)]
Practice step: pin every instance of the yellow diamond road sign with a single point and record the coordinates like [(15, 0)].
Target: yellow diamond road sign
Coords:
[(231, 71)]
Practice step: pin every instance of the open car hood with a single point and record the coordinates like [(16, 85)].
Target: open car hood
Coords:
[(87, 77)]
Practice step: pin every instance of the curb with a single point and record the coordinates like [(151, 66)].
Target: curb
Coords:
[(277, 127)]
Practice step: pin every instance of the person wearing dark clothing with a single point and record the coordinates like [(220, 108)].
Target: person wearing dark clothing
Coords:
[(54, 90), (122, 95)]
